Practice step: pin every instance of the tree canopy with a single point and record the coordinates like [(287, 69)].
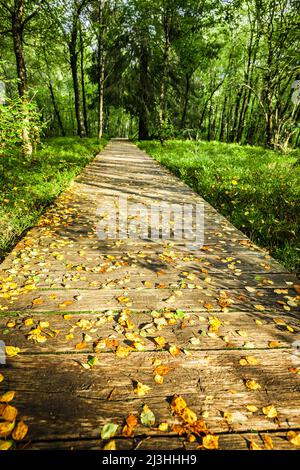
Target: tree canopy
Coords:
[(223, 70)]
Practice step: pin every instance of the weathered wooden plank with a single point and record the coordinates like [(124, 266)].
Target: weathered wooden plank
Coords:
[(231, 441), (237, 330), (60, 399), (137, 278), (151, 299)]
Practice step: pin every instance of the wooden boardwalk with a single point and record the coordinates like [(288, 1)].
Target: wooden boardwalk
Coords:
[(96, 320)]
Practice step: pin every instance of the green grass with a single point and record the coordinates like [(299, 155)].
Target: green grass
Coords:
[(27, 187), (258, 190)]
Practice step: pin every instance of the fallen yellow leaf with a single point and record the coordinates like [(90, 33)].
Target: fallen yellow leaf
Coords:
[(160, 341), (141, 389), (294, 438), (7, 397), (267, 440), (252, 385), (214, 325), (12, 351), (6, 428), (158, 379), (38, 301), (5, 445), (174, 350), (178, 404), (9, 413), (254, 446), (270, 411), (252, 408), (163, 427), (111, 445), (210, 442), (261, 308), (122, 351), (188, 416)]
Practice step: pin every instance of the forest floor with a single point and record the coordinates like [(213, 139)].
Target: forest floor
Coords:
[(145, 344), (29, 186), (258, 190)]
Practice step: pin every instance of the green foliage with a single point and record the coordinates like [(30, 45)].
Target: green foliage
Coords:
[(14, 115), (27, 187), (257, 189)]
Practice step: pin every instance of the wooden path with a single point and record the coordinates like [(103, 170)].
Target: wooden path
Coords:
[(95, 321)]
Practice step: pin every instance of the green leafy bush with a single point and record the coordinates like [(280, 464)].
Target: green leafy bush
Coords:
[(16, 115)]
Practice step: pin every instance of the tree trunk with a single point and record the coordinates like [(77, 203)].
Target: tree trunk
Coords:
[(85, 116), (223, 119), (74, 69), (101, 101), (143, 107), (186, 100), (233, 132), (101, 70), (56, 110), (17, 33)]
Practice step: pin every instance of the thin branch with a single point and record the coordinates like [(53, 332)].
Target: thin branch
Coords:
[(29, 17)]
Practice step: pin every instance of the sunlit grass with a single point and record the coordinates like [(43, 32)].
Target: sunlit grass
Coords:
[(258, 190), (27, 187)]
